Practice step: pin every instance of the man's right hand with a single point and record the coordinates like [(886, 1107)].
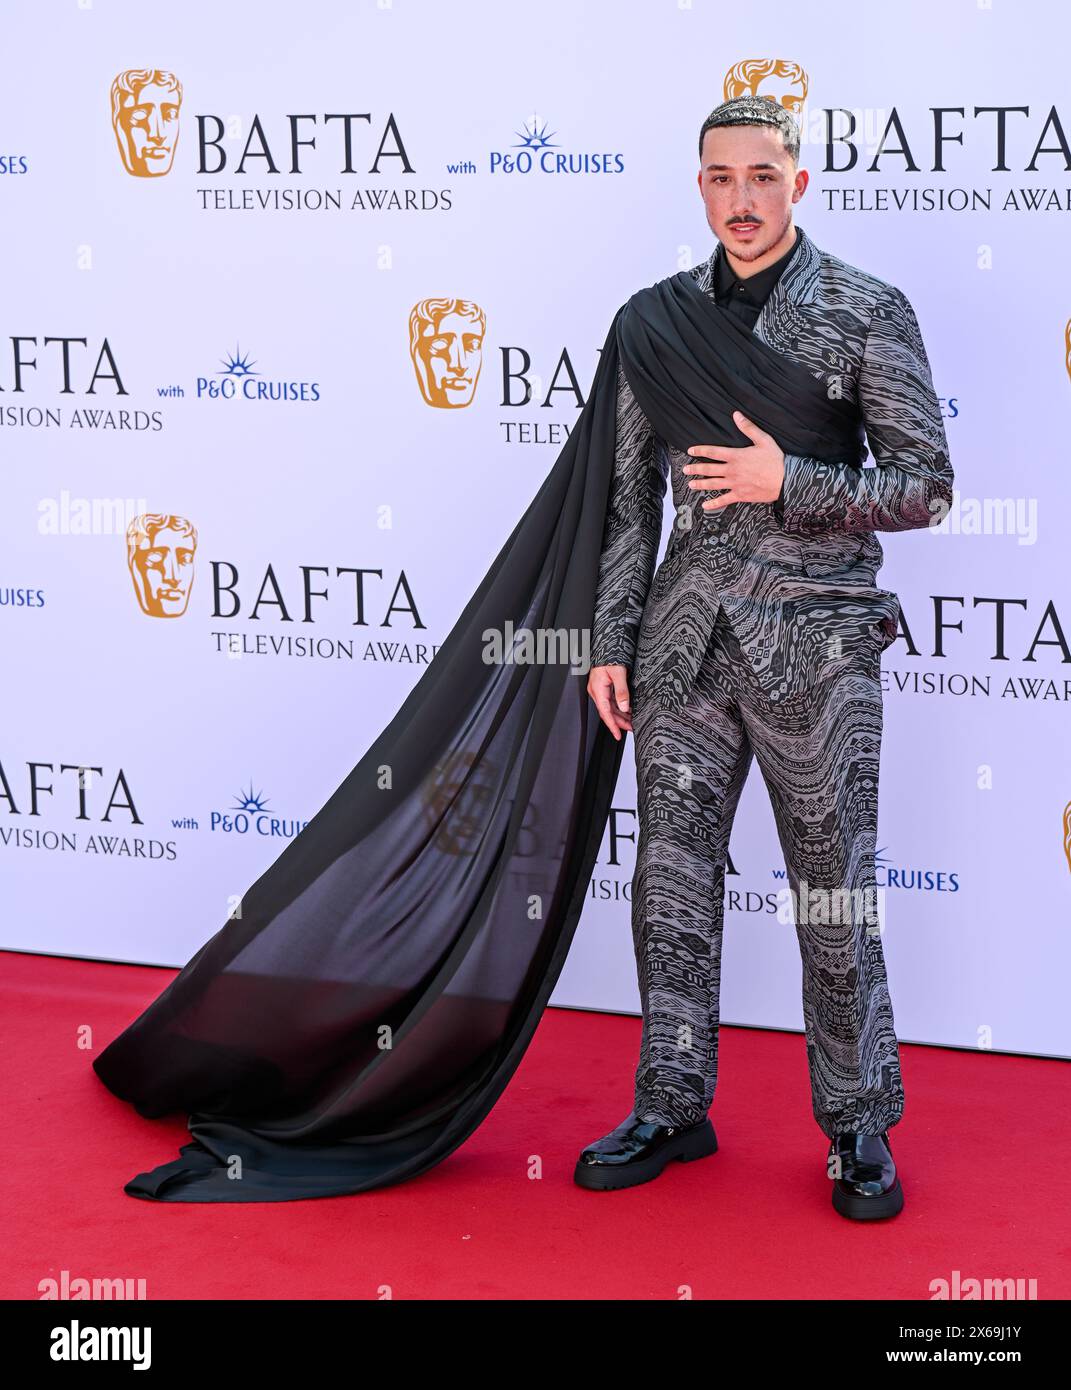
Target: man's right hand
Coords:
[(608, 687)]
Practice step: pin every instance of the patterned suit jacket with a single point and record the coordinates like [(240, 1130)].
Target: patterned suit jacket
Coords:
[(796, 577)]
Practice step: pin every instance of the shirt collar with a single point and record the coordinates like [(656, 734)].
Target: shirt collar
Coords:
[(757, 287)]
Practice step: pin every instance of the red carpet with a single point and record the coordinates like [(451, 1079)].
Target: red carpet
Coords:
[(982, 1153)]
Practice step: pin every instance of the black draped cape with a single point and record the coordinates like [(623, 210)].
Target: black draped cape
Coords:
[(355, 1022)]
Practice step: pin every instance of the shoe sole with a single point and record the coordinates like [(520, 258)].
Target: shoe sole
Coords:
[(869, 1208), (697, 1142)]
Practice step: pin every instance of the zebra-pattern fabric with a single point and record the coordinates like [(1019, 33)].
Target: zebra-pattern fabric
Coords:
[(819, 757), (796, 577)]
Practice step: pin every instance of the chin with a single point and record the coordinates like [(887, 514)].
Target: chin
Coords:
[(745, 249)]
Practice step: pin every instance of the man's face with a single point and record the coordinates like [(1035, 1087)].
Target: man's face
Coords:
[(748, 183)]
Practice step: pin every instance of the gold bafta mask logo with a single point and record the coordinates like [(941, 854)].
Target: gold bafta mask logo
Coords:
[(787, 82), (159, 554), (1067, 346), (455, 808), (145, 118), (1067, 833), (446, 345)]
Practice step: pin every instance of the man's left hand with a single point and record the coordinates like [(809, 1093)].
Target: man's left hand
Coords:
[(751, 473)]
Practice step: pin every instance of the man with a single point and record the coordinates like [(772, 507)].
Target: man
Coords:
[(762, 634)]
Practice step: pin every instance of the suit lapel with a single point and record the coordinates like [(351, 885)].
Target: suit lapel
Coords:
[(796, 288)]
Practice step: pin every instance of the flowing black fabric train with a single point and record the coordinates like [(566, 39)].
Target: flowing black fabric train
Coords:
[(434, 913)]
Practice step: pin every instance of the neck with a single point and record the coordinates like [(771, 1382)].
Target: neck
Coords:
[(745, 269)]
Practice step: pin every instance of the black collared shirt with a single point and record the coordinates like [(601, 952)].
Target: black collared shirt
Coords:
[(745, 298)]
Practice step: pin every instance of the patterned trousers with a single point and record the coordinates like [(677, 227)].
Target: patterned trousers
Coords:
[(819, 758)]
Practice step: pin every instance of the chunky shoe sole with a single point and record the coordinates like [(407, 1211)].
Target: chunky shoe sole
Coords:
[(695, 1142), (868, 1208)]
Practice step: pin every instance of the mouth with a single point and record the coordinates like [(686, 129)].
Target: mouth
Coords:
[(744, 229)]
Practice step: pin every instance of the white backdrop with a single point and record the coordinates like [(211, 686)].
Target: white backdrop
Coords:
[(192, 335)]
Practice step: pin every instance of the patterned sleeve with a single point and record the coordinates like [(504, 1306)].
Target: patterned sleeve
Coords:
[(632, 535), (911, 483)]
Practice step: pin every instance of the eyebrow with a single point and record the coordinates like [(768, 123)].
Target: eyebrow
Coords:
[(746, 166)]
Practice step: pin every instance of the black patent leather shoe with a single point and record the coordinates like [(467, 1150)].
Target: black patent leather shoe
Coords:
[(637, 1151), (868, 1187)]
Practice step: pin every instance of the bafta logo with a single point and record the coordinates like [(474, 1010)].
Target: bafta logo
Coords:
[(446, 345), (1067, 346), (159, 554), (787, 81), (454, 805), (1067, 833), (145, 118)]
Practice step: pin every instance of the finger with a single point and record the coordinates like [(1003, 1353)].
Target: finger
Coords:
[(713, 453), (715, 504), (600, 691), (606, 715), (724, 457), (620, 704), (749, 427), (721, 478)]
